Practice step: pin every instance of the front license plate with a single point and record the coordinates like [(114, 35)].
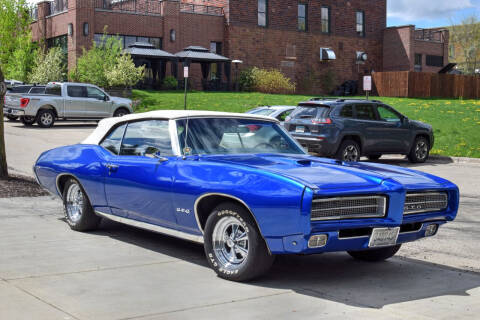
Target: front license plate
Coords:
[(300, 129), (382, 237)]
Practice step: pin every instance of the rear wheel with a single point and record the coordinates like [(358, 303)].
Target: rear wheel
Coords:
[(46, 118), (27, 120), (420, 150), (121, 112), (349, 151), (234, 246), (375, 255), (78, 211)]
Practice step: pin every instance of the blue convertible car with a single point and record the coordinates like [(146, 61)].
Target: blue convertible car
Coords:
[(242, 186)]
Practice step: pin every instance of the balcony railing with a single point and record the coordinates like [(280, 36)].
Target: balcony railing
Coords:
[(131, 6), (429, 35), (201, 9), (58, 6)]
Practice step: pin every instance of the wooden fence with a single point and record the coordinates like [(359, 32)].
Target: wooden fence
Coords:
[(425, 85)]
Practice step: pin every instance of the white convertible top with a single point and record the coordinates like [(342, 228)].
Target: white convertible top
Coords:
[(106, 124)]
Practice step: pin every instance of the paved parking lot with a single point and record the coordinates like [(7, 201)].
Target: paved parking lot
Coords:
[(49, 272)]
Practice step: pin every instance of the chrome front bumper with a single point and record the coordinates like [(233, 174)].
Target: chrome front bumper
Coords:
[(13, 112)]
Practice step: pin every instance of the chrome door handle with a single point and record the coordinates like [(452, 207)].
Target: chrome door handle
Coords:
[(111, 167)]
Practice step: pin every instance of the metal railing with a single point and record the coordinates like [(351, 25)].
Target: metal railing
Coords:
[(58, 6), (201, 9), (429, 35), (131, 6)]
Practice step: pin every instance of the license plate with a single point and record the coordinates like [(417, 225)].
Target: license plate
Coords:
[(300, 129), (382, 237)]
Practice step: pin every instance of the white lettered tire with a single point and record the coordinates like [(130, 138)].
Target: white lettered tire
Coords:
[(233, 244)]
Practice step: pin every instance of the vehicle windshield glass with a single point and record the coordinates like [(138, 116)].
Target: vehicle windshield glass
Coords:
[(262, 112), (233, 136), (310, 112)]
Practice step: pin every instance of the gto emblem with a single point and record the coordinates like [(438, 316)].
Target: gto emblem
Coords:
[(183, 210), (414, 207)]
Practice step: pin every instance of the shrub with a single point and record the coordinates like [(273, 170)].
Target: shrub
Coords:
[(124, 73), (170, 83), (271, 81), (49, 67), (246, 81)]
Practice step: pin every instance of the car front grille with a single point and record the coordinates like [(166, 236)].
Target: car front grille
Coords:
[(348, 207), (425, 202)]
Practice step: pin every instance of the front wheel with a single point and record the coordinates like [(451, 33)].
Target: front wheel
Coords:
[(78, 211), (233, 244), (27, 121), (120, 112), (375, 255), (420, 150)]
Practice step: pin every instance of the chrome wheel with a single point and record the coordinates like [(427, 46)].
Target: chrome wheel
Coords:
[(74, 202), (421, 150), (46, 119), (351, 154), (230, 243)]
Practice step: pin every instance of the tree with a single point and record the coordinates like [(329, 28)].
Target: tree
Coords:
[(465, 39), (3, 154), (17, 51), (124, 73), (49, 67)]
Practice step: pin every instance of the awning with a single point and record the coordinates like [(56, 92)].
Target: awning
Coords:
[(200, 54), (148, 50)]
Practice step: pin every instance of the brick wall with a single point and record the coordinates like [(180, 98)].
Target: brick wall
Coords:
[(398, 53)]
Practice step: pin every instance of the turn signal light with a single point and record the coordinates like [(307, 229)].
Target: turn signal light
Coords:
[(24, 102), (431, 230), (317, 241)]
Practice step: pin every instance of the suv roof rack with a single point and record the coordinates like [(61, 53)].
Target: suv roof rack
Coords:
[(342, 99)]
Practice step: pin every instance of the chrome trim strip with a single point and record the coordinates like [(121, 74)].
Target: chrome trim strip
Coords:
[(427, 210), (348, 198), (306, 139), (152, 227), (172, 128)]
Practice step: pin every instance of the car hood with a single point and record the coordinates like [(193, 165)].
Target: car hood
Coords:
[(420, 124), (325, 173), (119, 100)]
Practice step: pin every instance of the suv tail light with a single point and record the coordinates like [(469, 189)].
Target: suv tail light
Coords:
[(322, 121), (24, 102)]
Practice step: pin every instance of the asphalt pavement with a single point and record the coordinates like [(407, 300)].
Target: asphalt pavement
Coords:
[(48, 271)]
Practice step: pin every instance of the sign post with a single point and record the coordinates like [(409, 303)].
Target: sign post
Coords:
[(185, 75), (367, 85)]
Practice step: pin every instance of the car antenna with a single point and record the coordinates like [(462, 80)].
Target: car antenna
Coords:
[(186, 149)]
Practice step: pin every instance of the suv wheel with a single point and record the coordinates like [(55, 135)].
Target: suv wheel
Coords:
[(420, 150), (349, 151), (234, 246), (46, 118), (27, 120)]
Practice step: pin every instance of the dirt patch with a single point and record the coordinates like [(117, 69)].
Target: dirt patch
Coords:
[(20, 186)]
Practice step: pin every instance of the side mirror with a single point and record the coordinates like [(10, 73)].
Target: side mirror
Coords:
[(105, 98), (154, 154)]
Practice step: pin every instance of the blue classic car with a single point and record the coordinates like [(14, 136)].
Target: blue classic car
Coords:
[(242, 186)]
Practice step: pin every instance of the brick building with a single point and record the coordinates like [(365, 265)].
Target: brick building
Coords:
[(305, 39)]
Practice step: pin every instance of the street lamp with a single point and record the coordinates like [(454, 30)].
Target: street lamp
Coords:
[(236, 63)]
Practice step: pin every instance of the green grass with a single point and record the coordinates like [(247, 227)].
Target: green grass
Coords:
[(456, 122)]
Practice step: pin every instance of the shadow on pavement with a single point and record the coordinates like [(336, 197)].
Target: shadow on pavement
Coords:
[(333, 276), (57, 126)]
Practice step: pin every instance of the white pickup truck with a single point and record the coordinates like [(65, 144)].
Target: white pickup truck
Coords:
[(67, 101)]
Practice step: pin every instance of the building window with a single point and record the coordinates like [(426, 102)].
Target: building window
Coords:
[(451, 51), (59, 42), (302, 17), (418, 62), (361, 23), (128, 40), (325, 19), (216, 68), (434, 61), (262, 13)]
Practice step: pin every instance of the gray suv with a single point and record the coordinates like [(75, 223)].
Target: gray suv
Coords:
[(348, 129)]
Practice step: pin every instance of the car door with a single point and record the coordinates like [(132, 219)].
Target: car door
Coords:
[(394, 132), (138, 185), (366, 123), (75, 101), (96, 105)]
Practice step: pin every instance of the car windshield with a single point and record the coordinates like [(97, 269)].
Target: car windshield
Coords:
[(262, 112), (231, 136), (310, 112)]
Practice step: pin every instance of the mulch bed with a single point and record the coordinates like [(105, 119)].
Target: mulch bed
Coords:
[(20, 186)]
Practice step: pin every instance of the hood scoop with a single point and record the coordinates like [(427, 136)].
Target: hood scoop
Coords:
[(305, 162)]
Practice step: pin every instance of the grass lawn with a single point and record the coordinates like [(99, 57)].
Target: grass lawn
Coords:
[(456, 122)]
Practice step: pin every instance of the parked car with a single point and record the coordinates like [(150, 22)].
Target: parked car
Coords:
[(348, 129), (278, 112), (182, 173), (19, 89), (67, 101)]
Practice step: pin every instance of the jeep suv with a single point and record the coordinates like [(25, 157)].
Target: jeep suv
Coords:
[(348, 129)]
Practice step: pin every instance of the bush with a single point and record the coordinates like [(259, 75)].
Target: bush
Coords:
[(246, 81), (49, 67), (124, 73), (271, 81), (170, 83)]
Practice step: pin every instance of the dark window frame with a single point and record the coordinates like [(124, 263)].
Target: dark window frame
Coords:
[(261, 12), (363, 24), (374, 110), (305, 18), (329, 20), (77, 86), (434, 61)]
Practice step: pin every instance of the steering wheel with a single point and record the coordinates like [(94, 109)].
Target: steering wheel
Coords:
[(265, 145)]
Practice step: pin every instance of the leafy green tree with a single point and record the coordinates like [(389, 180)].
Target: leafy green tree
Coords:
[(49, 67), (124, 73), (465, 39), (3, 155), (17, 52)]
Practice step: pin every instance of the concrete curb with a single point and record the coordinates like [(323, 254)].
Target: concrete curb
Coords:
[(445, 159)]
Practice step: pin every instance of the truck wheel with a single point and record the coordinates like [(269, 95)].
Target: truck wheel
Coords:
[(120, 112), (27, 121), (349, 151), (46, 118), (77, 208), (420, 150), (233, 244), (375, 255)]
